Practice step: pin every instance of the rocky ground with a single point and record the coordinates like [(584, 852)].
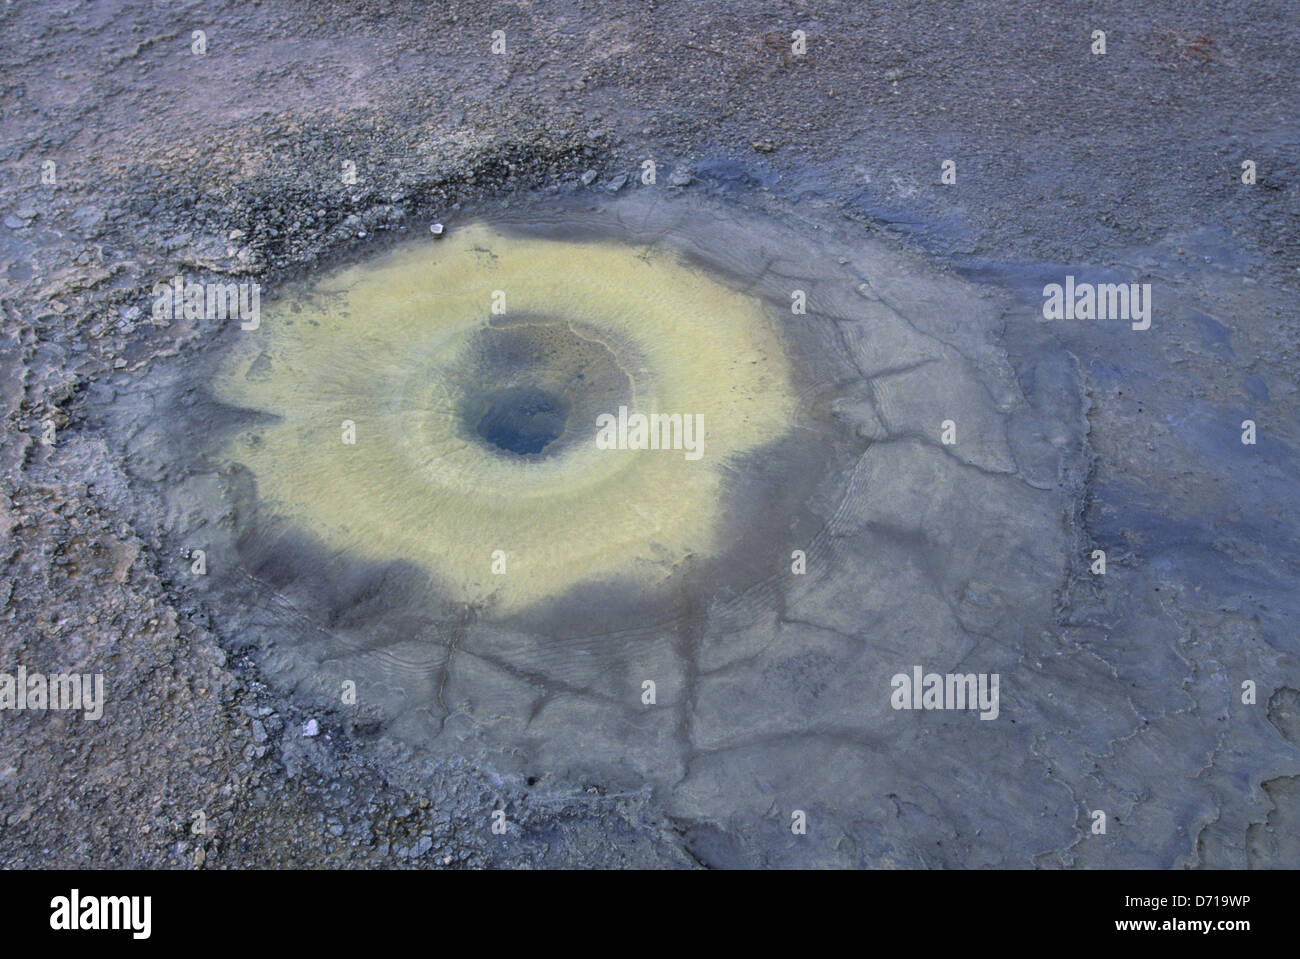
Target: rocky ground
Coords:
[(228, 163)]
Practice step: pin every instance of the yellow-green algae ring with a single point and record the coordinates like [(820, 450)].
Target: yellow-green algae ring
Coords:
[(408, 349)]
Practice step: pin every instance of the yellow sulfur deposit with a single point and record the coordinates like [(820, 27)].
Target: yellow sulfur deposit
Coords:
[(440, 406)]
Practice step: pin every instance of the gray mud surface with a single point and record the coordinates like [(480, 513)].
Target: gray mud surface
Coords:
[(1120, 692)]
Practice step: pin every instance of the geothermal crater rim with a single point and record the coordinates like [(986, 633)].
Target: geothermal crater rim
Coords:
[(535, 385)]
